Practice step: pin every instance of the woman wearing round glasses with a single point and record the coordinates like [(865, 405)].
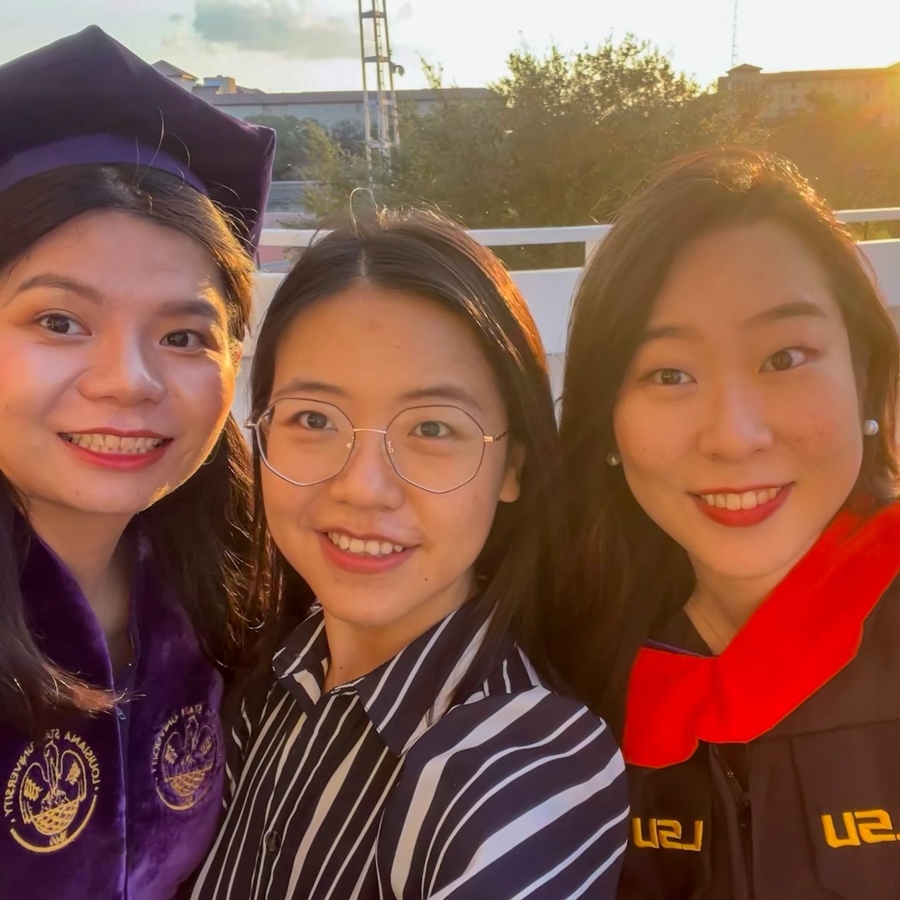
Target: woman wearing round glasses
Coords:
[(408, 742)]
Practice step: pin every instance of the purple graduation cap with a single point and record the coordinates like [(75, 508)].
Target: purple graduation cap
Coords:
[(87, 99)]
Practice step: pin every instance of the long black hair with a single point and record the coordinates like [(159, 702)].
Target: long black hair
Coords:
[(201, 530), (627, 572), (429, 256)]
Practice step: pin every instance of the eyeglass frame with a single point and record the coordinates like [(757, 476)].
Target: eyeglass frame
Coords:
[(254, 424)]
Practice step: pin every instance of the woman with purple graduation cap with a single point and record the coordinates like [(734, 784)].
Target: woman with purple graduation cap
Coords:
[(128, 212)]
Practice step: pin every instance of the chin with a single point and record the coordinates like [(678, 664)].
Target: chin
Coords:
[(364, 609), (748, 557), (100, 504)]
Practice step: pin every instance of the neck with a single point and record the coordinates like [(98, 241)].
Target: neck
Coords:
[(355, 650), (720, 605), (87, 545)]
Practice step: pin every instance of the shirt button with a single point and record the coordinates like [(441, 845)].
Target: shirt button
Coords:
[(272, 842)]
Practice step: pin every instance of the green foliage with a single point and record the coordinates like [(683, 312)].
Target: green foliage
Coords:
[(567, 138), (849, 153), (300, 143), (291, 149)]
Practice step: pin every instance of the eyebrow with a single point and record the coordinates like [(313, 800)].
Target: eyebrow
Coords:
[(304, 386), (790, 310), (450, 392), (62, 283), (193, 307), (669, 331)]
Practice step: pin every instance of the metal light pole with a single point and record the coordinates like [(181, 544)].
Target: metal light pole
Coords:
[(378, 68)]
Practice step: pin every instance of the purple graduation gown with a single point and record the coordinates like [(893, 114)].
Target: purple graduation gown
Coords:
[(122, 806)]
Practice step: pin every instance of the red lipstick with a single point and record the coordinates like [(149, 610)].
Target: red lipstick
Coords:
[(357, 564), (121, 462), (743, 518)]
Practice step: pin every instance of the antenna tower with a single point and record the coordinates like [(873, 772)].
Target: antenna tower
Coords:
[(378, 69), (734, 34)]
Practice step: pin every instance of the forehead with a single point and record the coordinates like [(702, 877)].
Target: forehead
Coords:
[(369, 340), (733, 273), (123, 257)]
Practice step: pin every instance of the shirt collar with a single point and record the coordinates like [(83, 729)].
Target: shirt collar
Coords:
[(404, 696)]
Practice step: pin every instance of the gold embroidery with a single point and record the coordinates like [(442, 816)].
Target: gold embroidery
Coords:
[(666, 834), (185, 757), (868, 826), (52, 791)]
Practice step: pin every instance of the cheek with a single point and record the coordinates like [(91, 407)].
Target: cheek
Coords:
[(288, 507), (459, 522), (31, 376), (649, 438), (822, 428), (204, 395)]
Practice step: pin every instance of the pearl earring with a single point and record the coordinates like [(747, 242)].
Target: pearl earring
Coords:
[(613, 459), (870, 427)]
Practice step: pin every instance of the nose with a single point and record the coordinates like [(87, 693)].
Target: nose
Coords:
[(735, 425), (124, 370), (368, 481)]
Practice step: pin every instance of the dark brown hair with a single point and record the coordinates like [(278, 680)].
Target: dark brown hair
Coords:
[(629, 574), (425, 255), (201, 530)]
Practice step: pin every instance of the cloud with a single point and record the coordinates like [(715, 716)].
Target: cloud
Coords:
[(290, 29), (175, 38), (405, 13)]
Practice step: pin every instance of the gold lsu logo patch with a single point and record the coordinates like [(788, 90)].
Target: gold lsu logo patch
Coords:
[(51, 793), (185, 757), (867, 826), (665, 834)]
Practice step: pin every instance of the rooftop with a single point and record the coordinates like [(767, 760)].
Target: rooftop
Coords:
[(312, 97)]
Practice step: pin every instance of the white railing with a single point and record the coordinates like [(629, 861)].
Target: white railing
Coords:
[(587, 235), (549, 291)]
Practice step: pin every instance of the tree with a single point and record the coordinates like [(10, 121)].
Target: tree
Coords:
[(564, 139), (848, 152), (290, 148), (297, 136)]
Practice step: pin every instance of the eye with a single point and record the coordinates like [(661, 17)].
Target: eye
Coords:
[(313, 420), (431, 429), (670, 377), (784, 360), (184, 340), (58, 323)]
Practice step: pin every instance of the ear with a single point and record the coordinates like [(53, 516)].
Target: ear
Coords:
[(512, 478)]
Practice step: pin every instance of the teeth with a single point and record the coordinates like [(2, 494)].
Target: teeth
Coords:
[(111, 443), (364, 548), (748, 500)]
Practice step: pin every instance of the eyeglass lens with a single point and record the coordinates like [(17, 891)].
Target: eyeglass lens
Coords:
[(437, 448)]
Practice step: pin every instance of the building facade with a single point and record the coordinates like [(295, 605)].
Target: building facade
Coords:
[(328, 108), (874, 90)]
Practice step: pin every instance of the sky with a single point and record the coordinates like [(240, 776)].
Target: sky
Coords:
[(298, 45)]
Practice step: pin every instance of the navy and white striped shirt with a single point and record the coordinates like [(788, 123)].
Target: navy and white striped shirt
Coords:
[(376, 790)]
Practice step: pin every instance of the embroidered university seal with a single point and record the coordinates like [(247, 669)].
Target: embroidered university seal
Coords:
[(52, 791), (185, 756)]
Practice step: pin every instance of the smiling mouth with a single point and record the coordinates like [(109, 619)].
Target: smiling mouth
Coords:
[(113, 444), (744, 500), (359, 547)]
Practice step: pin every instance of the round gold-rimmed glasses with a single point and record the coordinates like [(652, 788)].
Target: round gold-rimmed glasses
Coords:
[(436, 448)]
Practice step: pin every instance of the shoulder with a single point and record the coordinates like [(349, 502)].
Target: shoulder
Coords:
[(506, 788), (513, 734)]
